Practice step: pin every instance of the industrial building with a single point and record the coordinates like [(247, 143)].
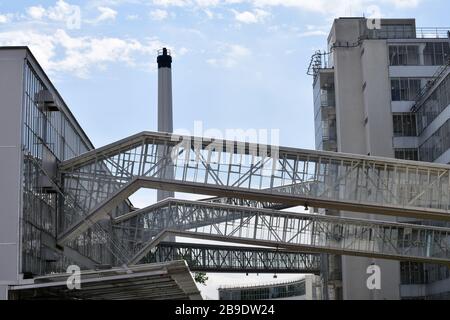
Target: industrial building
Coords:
[(384, 91), (37, 132), (302, 289), (66, 203)]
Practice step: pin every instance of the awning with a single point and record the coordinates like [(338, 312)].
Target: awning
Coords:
[(161, 281)]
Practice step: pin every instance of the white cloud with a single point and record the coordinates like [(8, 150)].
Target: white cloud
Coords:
[(60, 52), (158, 14), (231, 55), (313, 31), (61, 12), (334, 7), (36, 12), (330, 8), (4, 18), (207, 3), (209, 13), (105, 14), (405, 3), (182, 51), (258, 15), (176, 3)]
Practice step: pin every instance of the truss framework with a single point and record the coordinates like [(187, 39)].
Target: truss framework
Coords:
[(305, 232), (253, 178), (219, 259), (258, 172)]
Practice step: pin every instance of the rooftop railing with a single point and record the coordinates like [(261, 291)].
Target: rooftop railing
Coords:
[(407, 32), (432, 32)]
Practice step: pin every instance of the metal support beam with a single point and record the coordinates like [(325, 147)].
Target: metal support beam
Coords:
[(226, 259), (306, 232), (292, 247)]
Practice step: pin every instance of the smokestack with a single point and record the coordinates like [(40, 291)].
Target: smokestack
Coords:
[(165, 118), (165, 114)]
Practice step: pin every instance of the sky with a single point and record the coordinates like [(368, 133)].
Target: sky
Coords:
[(238, 64)]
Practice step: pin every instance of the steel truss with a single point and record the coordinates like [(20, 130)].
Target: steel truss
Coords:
[(219, 259), (302, 232), (258, 172), (257, 177)]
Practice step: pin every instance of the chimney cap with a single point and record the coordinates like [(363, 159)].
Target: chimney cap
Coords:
[(164, 58), (164, 52)]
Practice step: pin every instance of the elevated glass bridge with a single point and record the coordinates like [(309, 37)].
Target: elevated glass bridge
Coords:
[(261, 180)]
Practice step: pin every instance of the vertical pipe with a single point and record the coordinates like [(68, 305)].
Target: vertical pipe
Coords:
[(165, 114)]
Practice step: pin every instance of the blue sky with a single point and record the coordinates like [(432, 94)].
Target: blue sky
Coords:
[(238, 64)]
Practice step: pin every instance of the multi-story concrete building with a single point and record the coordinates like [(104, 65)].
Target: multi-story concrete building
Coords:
[(365, 91)]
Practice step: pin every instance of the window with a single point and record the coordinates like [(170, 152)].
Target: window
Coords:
[(394, 31), (407, 154), (404, 89), (436, 53), (405, 125), (413, 55), (403, 55), (433, 105), (436, 145), (412, 273)]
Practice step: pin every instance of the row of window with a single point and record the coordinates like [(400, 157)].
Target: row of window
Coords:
[(405, 125), (44, 132), (407, 154), (429, 151), (404, 55), (393, 31), (432, 107), (413, 273), (276, 292), (436, 145), (405, 89), (434, 54), (46, 128)]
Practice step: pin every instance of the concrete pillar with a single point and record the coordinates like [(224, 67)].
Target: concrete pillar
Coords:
[(421, 54), (11, 93), (3, 293)]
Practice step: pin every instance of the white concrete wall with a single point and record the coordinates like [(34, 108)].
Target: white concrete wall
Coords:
[(348, 88), (406, 142), (363, 107), (377, 98), (412, 71), (11, 86)]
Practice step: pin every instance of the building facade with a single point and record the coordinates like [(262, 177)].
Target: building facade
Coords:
[(307, 288), (365, 91), (37, 132)]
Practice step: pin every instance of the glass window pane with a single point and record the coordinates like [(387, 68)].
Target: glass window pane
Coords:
[(395, 88)]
